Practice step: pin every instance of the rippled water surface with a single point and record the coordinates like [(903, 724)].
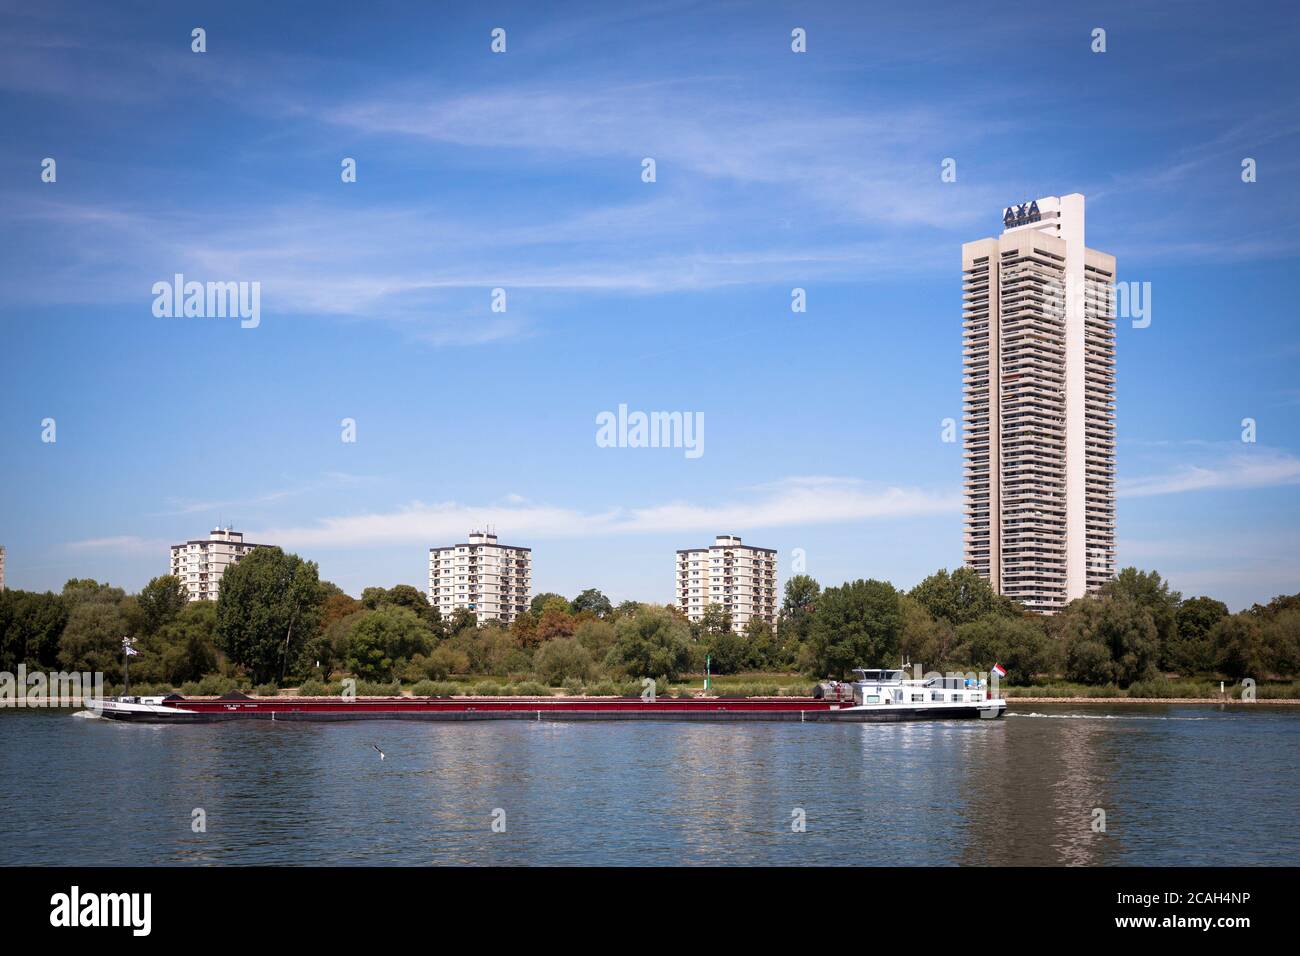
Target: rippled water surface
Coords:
[(1178, 784)]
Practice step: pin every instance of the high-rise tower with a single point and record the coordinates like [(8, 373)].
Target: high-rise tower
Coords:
[(1039, 413)]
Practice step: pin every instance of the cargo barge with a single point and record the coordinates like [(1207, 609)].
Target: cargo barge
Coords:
[(876, 696)]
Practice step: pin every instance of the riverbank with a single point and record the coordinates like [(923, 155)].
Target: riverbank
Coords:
[(1013, 701), (752, 684)]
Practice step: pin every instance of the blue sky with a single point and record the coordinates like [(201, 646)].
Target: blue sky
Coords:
[(522, 171)]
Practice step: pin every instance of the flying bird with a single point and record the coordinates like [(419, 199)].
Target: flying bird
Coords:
[(382, 755)]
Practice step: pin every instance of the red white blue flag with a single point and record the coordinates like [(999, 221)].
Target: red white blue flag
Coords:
[(999, 670)]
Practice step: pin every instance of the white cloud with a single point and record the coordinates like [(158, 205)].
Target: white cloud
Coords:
[(329, 479), (127, 544), (794, 501), (1257, 468), (872, 162)]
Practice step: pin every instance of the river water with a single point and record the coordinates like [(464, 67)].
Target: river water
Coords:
[(1178, 784)]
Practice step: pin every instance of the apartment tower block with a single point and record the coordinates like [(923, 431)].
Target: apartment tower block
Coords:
[(739, 578), (1039, 406), (492, 580)]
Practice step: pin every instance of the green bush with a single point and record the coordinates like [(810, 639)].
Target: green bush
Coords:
[(367, 688), (1279, 691), (531, 688), (214, 685), (435, 688), (1162, 687), (138, 689), (267, 690), (602, 688), (1062, 690), (486, 688), (313, 688), (747, 690)]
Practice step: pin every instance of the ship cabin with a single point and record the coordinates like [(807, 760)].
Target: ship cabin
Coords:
[(891, 687)]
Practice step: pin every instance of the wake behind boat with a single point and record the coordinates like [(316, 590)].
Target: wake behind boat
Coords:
[(875, 696)]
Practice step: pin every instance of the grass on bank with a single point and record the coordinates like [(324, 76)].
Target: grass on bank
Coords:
[(1158, 689)]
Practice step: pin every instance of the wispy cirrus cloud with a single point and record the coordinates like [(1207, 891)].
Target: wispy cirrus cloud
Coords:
[(806, 500), (1257, 467), (332, 479), (873, 164), (426, 271), (123, 544)]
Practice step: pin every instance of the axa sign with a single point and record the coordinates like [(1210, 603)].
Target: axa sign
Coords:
[(1020, 215)]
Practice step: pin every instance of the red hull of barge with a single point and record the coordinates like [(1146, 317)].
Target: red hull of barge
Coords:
[(525, 706), (281, 705)]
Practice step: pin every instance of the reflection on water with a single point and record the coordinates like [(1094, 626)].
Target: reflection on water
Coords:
[(1179, 785)]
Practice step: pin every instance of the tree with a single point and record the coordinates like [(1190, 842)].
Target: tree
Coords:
[(536, 605), (411, 598), (1281, 635), (384, 640), (653, 642), (715, 620), (1241, 650), (627, 608), (1197, 617), (399, 595), (492, 650), (562, 660), (1193, 651), (442, 662), (1088, 662), (328, 589), (30, 626), (1019, 644), (184, 648), (726, 649), (80, 590), (595, 602), (523, 629), (336, 607), (922, 639), (596, 636), (554, 621), (1150, 592), (328, 647), (764, 648), (161, 600), (462, 619), (855, 625), (801, 594), (92, 639), (1121, 627), (267, 610), (960, 597)]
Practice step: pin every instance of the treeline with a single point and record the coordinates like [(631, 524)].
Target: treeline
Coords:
[(277, 624)]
